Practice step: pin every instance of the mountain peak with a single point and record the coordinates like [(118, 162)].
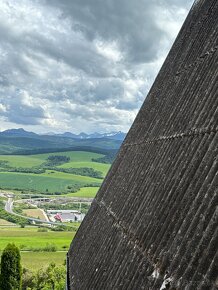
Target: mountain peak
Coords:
[(20, 132), (17, 132)]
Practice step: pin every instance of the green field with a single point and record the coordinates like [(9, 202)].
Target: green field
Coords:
[(52, 181), (21, 161), (37, 260), (29, 237), (28, 161), (31, 241), (95, 165), (6, 223), (56, 182), (85, 192), (75, 156)]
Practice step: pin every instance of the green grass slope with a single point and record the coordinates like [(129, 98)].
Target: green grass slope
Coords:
[(21, 161), (30, 238), (51, 182)]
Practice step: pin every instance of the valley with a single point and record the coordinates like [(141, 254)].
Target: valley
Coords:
[(32, 186), (34, 174)]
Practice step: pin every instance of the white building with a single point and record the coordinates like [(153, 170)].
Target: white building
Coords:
[(65, 215)]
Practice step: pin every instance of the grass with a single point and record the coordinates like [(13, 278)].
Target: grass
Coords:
[(75, 156), (29, 237), (28, 161), (84, 192), (95, 165), (75, 178), (6, 223), (35, 213), (53, 182), (21, 161), (35, 261)]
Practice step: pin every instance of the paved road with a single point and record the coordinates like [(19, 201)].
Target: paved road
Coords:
[(9, 209)]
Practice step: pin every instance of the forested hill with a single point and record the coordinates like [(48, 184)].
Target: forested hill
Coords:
[(33, 143)]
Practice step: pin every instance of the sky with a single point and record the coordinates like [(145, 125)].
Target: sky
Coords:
[(81, 65)]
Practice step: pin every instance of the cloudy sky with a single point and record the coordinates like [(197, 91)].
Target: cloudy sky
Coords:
[(81, 65)]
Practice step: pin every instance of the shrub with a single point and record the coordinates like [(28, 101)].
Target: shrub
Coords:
[(50, 248), (10, 277), (53, 277), (42, 230)]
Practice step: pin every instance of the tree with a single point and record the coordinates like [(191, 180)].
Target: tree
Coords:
[(51, 278), (11, 272)]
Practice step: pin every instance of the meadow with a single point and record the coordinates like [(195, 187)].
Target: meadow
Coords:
[(75, 156), (84, 192), (6, 223), (32, 241), (37, 260), (57, 182), (52, 181), (21, 161), (29, 238), (35, 213)]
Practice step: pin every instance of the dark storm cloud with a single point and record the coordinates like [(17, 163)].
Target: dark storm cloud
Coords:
[(84, 62)]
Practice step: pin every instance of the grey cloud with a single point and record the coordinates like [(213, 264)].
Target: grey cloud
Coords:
[(133, 24), (4, 82), (129, 23), (19, 112), (26, 115), (74, 52), (100, 115), (86, 60)]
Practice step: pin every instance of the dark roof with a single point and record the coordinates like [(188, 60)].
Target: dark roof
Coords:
[(154, 220)]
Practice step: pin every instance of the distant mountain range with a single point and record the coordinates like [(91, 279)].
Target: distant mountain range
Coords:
[(112, 135), (19, 141), (17, 132), (22, 133)]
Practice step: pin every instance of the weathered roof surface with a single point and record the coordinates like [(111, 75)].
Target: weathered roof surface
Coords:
[(154, 220)]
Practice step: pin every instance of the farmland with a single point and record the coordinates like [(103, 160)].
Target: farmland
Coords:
[(73, 174), (51, 182), (21, 161), (84, 192), (29, 240), (37, 260), (31, 173), (36, 213), (97, 166)]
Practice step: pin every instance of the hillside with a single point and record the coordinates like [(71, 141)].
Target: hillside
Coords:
[(40, 144), (52, 173)]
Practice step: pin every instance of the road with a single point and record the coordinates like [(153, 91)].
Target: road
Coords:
[(9, 209)]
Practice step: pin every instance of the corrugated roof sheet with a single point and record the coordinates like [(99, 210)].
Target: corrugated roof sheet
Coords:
[(154, 221)]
